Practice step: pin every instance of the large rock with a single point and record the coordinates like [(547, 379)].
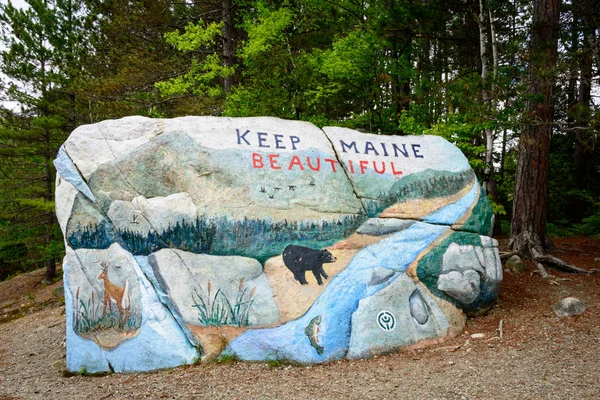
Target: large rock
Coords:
[(175, 231)]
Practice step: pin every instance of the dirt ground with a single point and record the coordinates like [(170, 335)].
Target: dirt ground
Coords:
[(540, 355)]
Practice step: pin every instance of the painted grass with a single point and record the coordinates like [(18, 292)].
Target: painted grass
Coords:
[(90, 317), (218, 309)]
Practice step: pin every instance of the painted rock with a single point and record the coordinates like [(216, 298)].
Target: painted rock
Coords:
[(260, 238)]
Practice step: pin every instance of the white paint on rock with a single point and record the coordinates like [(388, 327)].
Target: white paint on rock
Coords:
[(77, 280), (125, 216), (418, 308), (90, 146), (460, 274), (160, 342), (368, 339), (157, 214), (164, 212), (429, 151), (464, 287), (87, 149), (64, 194), (466, 268), (120, 269), (383, 226), (492, 262), (67, 170), (184, 275), (266, 134)]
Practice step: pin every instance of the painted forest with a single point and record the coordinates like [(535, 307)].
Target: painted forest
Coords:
[(256, 238), (513, 83)]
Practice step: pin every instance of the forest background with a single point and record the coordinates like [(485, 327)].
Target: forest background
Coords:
[(466, 70)]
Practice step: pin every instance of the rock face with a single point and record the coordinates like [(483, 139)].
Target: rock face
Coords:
[(175, 231), (569, 307)]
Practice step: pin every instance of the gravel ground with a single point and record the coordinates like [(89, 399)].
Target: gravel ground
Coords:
[(540, 355)]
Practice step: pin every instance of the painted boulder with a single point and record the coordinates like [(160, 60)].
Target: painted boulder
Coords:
[(258, 238)]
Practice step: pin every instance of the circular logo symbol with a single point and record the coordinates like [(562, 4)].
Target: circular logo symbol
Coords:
[(386, 321)]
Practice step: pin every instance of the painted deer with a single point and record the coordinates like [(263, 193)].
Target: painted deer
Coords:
[(114, 293)]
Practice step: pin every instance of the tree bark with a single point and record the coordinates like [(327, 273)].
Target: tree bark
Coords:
[(584, 135), (400, 85), (482, 40), (528, 228), (485, 94), (528, 234), (494, 43), (228, 41), (50, 218)]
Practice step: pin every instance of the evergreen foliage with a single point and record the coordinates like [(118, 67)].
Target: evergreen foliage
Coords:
[(382, 66), (40, 61), (430, 184), (256, 238), (427, 184)]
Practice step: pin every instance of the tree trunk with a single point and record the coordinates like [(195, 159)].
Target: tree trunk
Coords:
[(584, 135), (482, 41), (490, 135), (228, 41), (485, 95), (400, 84), (579, 99), (528, 234), (50, 218), (528, 228), (494, 43)]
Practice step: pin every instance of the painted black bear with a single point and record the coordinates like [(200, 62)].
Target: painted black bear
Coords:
[(300, 259)]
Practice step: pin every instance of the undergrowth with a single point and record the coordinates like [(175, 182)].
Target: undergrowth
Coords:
[(589, 226)]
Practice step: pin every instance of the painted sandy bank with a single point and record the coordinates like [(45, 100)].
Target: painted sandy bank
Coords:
[(260, 238)]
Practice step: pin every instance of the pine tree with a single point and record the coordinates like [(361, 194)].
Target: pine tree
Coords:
[(528, 231), (40, 62)]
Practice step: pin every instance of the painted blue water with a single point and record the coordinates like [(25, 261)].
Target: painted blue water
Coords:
[(453, 212), (338, 302), (340, 299)]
